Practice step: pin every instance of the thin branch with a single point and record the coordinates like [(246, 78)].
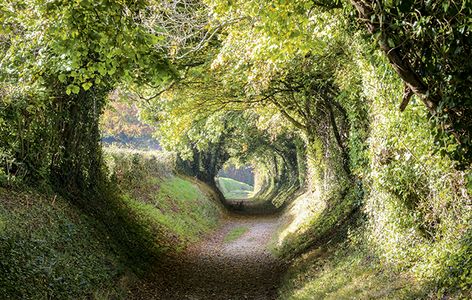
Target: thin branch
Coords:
[(287, 115)]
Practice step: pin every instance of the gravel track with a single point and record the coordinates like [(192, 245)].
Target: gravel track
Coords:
[(215, 269)]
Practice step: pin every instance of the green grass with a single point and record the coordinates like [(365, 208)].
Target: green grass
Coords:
[(238, 195), (233, 189), (167, 205), (182, 211), (235, 233), (345, 271)]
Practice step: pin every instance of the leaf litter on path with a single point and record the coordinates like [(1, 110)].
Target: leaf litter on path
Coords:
[(241, 268)]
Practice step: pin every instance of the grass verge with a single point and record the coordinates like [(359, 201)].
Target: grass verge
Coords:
[(235, 233)]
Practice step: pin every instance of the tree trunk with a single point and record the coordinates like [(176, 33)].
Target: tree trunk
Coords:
[(400, 64)]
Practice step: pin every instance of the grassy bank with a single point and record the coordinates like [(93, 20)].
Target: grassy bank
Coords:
[(345, 271), (171, 206), (233, 189), (51, 249)]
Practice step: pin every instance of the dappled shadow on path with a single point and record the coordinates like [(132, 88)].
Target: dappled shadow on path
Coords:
[(251, 206), (217, 269)]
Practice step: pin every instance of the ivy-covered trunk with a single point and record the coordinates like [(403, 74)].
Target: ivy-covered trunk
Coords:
[(76, 166)]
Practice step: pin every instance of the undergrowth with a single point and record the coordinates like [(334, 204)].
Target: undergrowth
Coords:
[(51, 250)]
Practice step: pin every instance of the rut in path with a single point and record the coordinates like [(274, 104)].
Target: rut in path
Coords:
[(215, 269)]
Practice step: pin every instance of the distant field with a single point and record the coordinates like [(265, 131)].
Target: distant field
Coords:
[(233, 189)]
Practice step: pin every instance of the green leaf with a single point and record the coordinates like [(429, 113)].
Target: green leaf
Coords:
[(87, 86), (62, 78), (445, 6), (75, 89), (101, 69), (71, 88)]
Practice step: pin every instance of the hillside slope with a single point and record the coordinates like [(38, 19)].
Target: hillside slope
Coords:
[(49, 248), (233, 189)]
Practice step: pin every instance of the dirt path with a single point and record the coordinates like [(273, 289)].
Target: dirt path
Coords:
[(219, 269)]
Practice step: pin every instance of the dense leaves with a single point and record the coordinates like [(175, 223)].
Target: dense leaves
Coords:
[(61, 59), (427, 43)]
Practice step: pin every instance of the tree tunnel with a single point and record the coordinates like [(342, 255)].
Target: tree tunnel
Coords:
[(274, 168), (354, 118)]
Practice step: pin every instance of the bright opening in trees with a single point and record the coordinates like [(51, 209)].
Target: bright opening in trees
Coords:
[(236, 182)]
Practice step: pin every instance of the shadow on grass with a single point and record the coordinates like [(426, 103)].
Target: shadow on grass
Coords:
[(142, 245)]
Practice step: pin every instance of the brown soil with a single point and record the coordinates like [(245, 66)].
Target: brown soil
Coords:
[(215, 269)]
